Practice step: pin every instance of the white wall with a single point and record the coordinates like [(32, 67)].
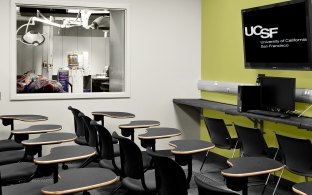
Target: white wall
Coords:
[(165, 56)]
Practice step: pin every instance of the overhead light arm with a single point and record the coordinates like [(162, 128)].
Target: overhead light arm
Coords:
[(68, 22), (32, 21), (82, 19), (35, 39), (46, 21)]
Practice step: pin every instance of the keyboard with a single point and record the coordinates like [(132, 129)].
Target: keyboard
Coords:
[(265, 113)]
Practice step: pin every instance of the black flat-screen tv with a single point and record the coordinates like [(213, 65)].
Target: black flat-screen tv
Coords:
[(278, 93), (278, 36)]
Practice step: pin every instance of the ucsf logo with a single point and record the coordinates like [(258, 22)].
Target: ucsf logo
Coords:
[(260, 31)]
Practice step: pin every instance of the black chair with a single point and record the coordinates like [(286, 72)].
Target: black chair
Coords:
[(135, 177), (33, 188), (12, 156), (208, 186), (220, 135), (17, 172), (79, 127), (170, 177), (10, 144), (92, 138), (108, 152), (252, 142), (296, 155), (92, 135)]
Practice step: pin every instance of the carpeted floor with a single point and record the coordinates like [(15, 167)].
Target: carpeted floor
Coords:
[(211, 170)]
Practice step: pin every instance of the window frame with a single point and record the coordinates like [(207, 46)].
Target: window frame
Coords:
[(46, 96)]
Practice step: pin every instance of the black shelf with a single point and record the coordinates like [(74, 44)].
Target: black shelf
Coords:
[(300, 122)]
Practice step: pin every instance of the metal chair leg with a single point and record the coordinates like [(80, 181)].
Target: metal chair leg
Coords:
[(234, 149), (278, 181), (266, 183), (204, 161), (86, 162)]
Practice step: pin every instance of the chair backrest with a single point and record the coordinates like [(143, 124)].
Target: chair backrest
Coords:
[(130, 158), (296, 153), (252, 141), (170, 177), (207, 186), (218, 131), (79, 128), (106, 148), (92, 138)]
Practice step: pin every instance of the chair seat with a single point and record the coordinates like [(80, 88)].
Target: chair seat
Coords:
[(13, 156), (269, 152), (136, 184), (209, 186), (17, 171), (9, 144), (107, 164), (81, 141), (33, 188)]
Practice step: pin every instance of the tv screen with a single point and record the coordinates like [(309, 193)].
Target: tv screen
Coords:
[(277, 36), (278, 93)]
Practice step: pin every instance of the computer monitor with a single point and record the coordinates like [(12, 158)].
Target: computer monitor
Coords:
[(248, 98), (278, 93)]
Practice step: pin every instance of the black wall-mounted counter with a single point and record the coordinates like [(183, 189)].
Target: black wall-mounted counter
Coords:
[(300, 122)]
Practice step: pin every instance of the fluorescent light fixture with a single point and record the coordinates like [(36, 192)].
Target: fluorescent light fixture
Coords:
[(94, 11), (73, 11)]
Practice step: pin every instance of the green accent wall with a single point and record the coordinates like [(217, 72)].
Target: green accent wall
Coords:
[(223, 60)]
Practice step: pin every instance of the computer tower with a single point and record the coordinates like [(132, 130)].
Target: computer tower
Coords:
[(248, 98)]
